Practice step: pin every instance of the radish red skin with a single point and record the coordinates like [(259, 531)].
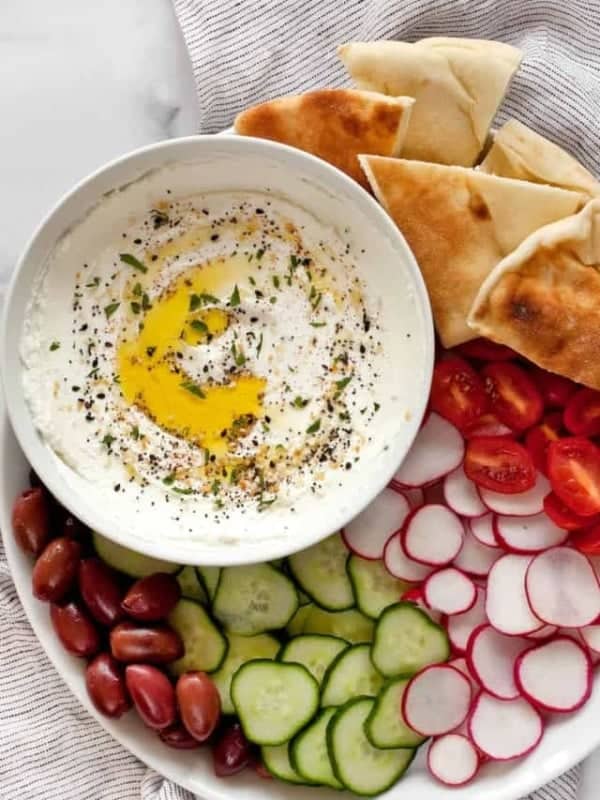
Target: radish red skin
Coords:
[(487, 756), (585, 695), (410, 687), (438, 777), (406, 534)]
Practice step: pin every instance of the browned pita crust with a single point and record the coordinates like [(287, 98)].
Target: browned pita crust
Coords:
[(543, 300), (459, 224), (334, 124)]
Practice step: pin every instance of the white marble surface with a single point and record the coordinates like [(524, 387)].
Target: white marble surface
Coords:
[(81, 83)]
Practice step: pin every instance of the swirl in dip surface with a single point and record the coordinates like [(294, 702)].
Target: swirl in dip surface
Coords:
[(217, 351)]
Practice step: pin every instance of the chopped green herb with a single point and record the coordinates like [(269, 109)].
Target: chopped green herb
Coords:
[(202, 299), (376, 407), (341, 385), (93, 373), (135, 433), (134, 262), (195, 302), (251, 280), (238, 355), (272, 299), (182, 491), (206, 455), (117, 379), (192, 388), (137, 290), (344, 416), (135, 307), (259, 346), (110, 309), (215, 487), (146, 304), (219, 503), (199, 326), (276, 281), (108, 440), (259, 254), (317, 324), (54, 346), (234, 300), (316, 302), (293, 261), (264, 504), (93, 284), (300, 402), (234, 475), (314, 427), (170, 479)]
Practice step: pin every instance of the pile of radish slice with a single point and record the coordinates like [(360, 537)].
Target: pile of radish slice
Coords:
[(494, 518)]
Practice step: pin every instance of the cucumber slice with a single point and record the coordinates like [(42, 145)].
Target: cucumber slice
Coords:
[(374, 587), (303, 598), (254, 599), (351, 674), (296, 625), (273, 700), (191, 587), (136, 565), (385, 727), (406, 640), (314, 651), (309, 755), (241, 649), (350, 625), (320, 571), (209, 577), (360, 767), (276, 759), (205, 645)]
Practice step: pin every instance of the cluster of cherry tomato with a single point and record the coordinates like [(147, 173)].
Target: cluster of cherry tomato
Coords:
[(519, 419), (119, 627)]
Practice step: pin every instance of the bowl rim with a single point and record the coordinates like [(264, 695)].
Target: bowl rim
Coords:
[(21, 418)]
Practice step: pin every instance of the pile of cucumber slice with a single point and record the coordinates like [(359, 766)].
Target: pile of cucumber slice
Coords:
[(312, 655)]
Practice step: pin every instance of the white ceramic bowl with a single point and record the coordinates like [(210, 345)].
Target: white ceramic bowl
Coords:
[(385, 263), (566, 741)]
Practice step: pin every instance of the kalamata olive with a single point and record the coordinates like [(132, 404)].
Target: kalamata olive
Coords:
[(144, 644), (75, 629), (152, 598), (56, 569), (152, 694), (106, 686), (74, 528), (101, 591), (199, 704), (31, 520), (176, 736), (231, 752)]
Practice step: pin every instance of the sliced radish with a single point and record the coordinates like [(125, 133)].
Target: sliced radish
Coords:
[(367, 534), (461, 494), (523, 504), (450, 591), (543, 633), (528, 534), (504, 729), (433, 535), (400, 565), (461, 626), (507, 605), (491, 659), (436, 700), (461, 665), (482, 529), (562, 588), (415, 595), (453, 759), (591, 636), (476, 558), (437, 450), (415, 496), (556, 675)]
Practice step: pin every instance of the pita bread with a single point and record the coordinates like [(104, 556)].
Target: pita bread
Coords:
[(519, 152), (460, 223), (543, 300), (458, 85), (334, 124)]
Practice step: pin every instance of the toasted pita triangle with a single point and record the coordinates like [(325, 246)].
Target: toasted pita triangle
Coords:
[(334, 124), (543, 299), (458, 85), (460, 223), (519, 152)]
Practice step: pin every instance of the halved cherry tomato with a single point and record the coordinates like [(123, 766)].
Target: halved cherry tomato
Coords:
[(486, 350), (500, 464), (555, 389), (582, 413), (588, 540), (539, 437), (574, 472), (457, 391), (562, 515), (514, 397), (486, 425)]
